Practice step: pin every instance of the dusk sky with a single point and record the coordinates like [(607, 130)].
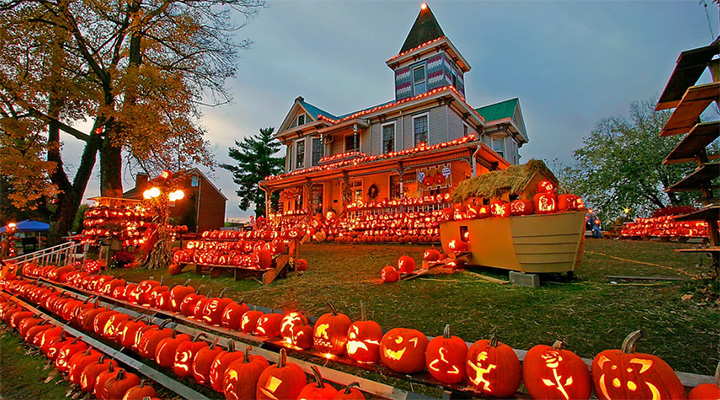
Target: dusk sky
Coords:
[(571, 63)]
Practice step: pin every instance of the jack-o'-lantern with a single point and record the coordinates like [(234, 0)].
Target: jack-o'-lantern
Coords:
[(283, 380), (445, 357), (318, 390), (545, 186), (364, 339), (570, 202), (165, 350), (178, 294), (240, 380), (555, 373), (302, 336), (500, 209), (431, 255), (457, 246), (79, 361), (625, 374), (185, 355), (221, 363), (707, 390), (140, 392), (269, 325), (330, 333), (403, 350), (493, 368), (67, 351), (389, 274), (150, 339), (203, 362), (521, 207), (250, 320), (289, 321), (545, 203), (213, 309), (406, 265), (232, 315)]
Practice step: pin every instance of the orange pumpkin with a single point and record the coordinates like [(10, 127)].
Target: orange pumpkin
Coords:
[(79, 361), (90, 373), (330, 333), (555, 373), (406, 265), (545, 203), (500, 208), (570, 202), (289, 321), (203, 362), (445, 357), (318, 390), (151, 338), (522, 207), (240, 380), (350, 393), (221, 363), (140, 392), (302, 336), (707, 390), (232, 315), (364, 339), (249, 321), (545, 186), (493, 368), (66, 352), (281, 381), (165, 350), (187, 306), (625, 374), (431, 255), (389, 274), (213, 309), (269, 325), (185, 355), (118, 385), (403, 350), (457, 246), (178, 294)]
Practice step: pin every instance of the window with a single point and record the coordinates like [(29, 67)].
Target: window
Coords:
[(499, 146), (300, 154), (395, 192), (195, 181), (419, 86), (465, 129), (301, 119), (350, 144), (388, 138), (318, 151), (420, 128), (356, 189), (454, 78)]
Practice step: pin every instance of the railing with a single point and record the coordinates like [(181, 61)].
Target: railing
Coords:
[(63, 252)]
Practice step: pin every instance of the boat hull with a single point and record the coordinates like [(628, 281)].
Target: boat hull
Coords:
[(539, 243)]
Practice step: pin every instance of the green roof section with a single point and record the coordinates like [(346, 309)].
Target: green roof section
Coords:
[(425, 29), (497, 111), (315, 111)]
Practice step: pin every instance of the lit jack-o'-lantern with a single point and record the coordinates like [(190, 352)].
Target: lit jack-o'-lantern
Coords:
[(403, 350), (457, 246), (241, 377), (330, 334), (545, 186), (625, 374), (289, 321), (185, 355), (545, 203), (555, 373), (406, 265), (445, 357), (364, 339), (302, 336), (318, 390), (500, 209), (250, 320), (389, 274), (431, 255), (493, 368), (269, 325), (521, 207), (570, 202), (283, 380)]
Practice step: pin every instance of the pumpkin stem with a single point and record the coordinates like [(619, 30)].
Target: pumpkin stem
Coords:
[(101, 359), (75, 340), (120, 375), (142, 382), (363, 312), (198, 289), (162, 278), (494, 341), (162, 325), (212, 345), (171, 287), (628, 345), (246, 356), (208, 294), (110, 366), (231, 346), (283, 359), (350, 386), (557, 345), (87, 351), (333, 309), (318, 378), (446, 332), (222, 292), (198, 336), (186, 282)]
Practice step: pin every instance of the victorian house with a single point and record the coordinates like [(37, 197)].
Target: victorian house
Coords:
[(423, 142)]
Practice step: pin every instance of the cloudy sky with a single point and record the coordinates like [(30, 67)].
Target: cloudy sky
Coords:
[(571, 63)]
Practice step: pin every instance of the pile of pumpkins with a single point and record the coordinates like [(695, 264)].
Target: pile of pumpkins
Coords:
[(247, 253), (236, 374), (488, 366)]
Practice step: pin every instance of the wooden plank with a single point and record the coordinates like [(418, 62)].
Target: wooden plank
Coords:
[(693, 103), (699, 250), (647, 278), (711, 212), (689, 67), (694, 144), (700, 178)]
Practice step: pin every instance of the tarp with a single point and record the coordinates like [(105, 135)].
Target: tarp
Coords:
[(29, 226)]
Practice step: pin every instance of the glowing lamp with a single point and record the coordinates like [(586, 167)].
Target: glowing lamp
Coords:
[(176, 195), (423, 6), (11, 225), (151, 193)]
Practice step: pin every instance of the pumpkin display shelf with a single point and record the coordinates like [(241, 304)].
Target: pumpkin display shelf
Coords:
[(689, 101), (118, 219), (666, 228)]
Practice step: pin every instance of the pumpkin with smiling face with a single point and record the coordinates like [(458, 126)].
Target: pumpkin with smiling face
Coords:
[(403, 350), (555, 373), (330, 333), (493, 368), (445, 357), (625, 374), (364, 339)]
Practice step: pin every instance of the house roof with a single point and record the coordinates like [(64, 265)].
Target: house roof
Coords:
[(134, 193), (316, 111), (425, 29), (497, 111)]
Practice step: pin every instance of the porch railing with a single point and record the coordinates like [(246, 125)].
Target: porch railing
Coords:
[(61, 253)]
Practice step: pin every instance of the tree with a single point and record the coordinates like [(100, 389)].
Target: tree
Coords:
[(255, 161), (620, 165), (139, 69)]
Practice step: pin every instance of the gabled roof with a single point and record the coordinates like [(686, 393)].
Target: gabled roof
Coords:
[(497, 111), (316, 111), (425, 29), (135, 193)]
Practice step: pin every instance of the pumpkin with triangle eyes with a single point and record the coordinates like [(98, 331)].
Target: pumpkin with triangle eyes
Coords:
[(403, 350)]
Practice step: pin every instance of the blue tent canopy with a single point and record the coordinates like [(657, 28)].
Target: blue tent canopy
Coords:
[(29, 226)]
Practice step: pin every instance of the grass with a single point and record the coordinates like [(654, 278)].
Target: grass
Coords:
[(589, 314)]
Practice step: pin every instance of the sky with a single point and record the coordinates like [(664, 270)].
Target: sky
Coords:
[(571, 64)]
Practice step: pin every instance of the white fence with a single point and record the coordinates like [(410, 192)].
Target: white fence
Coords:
[(62, 253)]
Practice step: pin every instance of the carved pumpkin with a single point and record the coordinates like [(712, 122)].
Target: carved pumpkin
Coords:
[(89, 375), (132, 332), (302, 336), (114, 326), (55, 344), (364, 339), (18, 317), (67, 351), (249, 321), (188, 303), (707, 390), (197, 313), (221, 363), (445, 357), (406, 265), (493, 368), (269, 325), (101, 320), (570, 202), (317, 390), (389, 274), (350, 393), (113, 385), (431, 255), (151, 338), (500, 208), (25, 325), (545, 203), (290, 320), (241, 377), (330, 333), (185, 355), (625, 374), (79, 361), (213, 309), (545, 186), (554, 373), (178, 293), (165, 350), (232, 315), (403, 350), (522, 207), (203, 362), (281, 381), (36, 330), (140, 392), (457, 246)]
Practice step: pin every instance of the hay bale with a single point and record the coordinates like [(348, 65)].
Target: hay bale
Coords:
[(512, 180)]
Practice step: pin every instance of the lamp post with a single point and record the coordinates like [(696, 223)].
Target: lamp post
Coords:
[(157, 200)]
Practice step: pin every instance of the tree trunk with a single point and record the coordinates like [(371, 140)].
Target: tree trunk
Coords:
[(110, 169)]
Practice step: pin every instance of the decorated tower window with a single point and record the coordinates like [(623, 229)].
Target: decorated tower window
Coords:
[(420, 129)]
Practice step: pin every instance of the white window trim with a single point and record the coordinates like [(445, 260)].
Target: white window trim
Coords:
[(322, 144), (297, 119), (290, 156), (425, 114), (304, 140), (492, 145), (345, 150), (382, 136)]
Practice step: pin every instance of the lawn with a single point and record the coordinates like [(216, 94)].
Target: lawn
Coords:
[(681, 320)]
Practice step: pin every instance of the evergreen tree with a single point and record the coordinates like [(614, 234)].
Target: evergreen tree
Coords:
[(255, 161)]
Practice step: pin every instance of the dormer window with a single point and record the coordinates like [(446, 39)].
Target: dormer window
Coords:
[(419, 80), (301, 120)]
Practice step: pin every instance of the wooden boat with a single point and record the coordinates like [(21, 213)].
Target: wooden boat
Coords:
[(539, 243)]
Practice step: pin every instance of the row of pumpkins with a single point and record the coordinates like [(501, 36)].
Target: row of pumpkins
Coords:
[(236, 374), (665, 226), (490, 367), (256, 254)]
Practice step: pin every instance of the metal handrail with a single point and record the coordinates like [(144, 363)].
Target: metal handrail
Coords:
[(61, 252)]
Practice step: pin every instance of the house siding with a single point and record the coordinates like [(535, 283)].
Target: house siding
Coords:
[(437, 125), (455, 125)]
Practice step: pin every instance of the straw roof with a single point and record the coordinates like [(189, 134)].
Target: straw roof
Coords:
[(512, 180)]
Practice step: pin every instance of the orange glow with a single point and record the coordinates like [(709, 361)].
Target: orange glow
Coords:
[(423, 6), (480, 372)]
